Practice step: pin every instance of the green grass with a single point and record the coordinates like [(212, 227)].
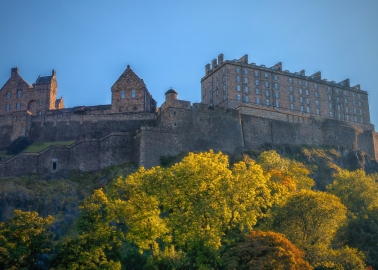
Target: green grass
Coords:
[(38, 147), (3, 154)]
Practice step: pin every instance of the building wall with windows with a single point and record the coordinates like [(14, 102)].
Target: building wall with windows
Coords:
[(238, 83), (18, 95)]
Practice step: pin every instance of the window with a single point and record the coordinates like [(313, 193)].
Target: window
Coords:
[(331, 114), (337, 99), (315, 85), (239, 98), (275, 77), (8, 95), (359, 104), (276, 86), (337, 90), (256, 73), (354, 103), (246, 89), (217, 102), (18, 106), (224, 78), (290, 80), (257, 100), (317, 111), (307, 101), (301, 108), (306, 92), (7, 107), (245, 71), (277, 95), (277, 104), (346, 101), (330, 105), (133, 93), (217, 92), (338, 107), (41, 91), (291, 89), (300, 99), (361, 120), (211, 88), (292, 106), (267, 102), (238, 78), (346, 109), (238, 88), (246, 99), (360, 112), (19, 93), (238, 70), (317, 103), (245, 80), (347, 117), (266, 84), (339, 115), (299, 82), (308, 109), (224, 87), (266, 75), (354, 111), (267, 93), (224, 97), (316, 94), (291, 98), (355, 119), (123, 93), (329, 89), (211, 95), (300, 91), (216, 83), (257, 91), (352, 95), (306, 84), (257, 82), (344, 93), (224, 70), (40, 102), (329, 97), (359, 96)]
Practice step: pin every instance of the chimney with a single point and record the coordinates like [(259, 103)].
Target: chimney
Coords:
[(207, 69), (220, 59), (345, 83), (278, 66), (14, 71), (214, 64), (317, 75), (53, 73), (302, 72)]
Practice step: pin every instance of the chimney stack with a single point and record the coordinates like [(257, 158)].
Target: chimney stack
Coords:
[(14, 71)]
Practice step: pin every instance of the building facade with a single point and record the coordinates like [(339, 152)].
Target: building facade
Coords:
[(238, 83)]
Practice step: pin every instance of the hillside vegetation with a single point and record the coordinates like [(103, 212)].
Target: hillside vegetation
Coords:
[(305, 208)]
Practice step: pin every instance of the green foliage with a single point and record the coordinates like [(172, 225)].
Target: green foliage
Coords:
[(265, 250), (22, 238), (356, 190), (169, 259)]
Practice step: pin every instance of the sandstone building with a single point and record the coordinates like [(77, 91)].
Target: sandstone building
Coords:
[(243, 106)]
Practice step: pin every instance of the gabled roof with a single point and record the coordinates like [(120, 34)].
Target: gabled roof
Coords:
[(17, 76), (129, 75)]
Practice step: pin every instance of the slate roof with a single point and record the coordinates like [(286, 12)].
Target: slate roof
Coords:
[(43, 79)]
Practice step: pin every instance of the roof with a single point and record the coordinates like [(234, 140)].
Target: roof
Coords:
[(171, 91), (43, 79)]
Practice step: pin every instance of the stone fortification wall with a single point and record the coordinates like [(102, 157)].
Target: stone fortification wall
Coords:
[(61, 125), (375, 139), (86, 155), (198, 128)]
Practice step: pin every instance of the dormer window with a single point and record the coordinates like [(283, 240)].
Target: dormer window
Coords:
[(122, 93), (133, 93)]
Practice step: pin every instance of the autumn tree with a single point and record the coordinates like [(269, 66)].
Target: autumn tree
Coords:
[(23, 237), (265, 250)]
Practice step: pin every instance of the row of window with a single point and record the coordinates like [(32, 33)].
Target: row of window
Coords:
[(330, 105), (133, 93), (8, 106), (346, 117), (19, 94)]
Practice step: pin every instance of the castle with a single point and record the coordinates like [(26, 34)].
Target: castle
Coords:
[(243, 106)]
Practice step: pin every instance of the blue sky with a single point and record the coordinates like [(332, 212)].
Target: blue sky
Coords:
[(168, 43)]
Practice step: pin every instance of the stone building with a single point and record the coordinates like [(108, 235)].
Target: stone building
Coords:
[(243, 106), (18, 95), (238, 83)]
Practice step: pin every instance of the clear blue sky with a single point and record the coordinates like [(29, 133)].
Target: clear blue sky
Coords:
[(168, 43)]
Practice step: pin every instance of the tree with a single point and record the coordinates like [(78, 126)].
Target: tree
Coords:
[(265, 250), (97, 246), (310, 219), (356, 190), (192, 205), (22, 238)]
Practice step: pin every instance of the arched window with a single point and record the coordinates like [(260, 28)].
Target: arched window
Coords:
[(54, 166)]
